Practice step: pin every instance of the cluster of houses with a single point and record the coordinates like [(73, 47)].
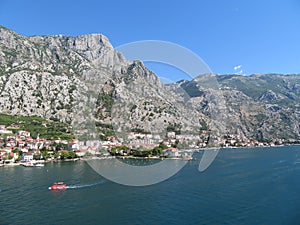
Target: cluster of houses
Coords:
[(236, 140), (203, 140), (11, 145), (170, 139), (21, 146)]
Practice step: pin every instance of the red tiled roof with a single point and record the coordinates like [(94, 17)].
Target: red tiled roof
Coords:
[(170, 149)]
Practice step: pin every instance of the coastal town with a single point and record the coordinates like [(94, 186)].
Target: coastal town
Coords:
[(18, 147)]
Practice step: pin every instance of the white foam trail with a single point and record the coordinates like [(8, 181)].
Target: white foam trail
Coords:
[(84, 185)]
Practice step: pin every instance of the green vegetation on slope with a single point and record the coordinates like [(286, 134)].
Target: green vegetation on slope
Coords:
[(37, 125)]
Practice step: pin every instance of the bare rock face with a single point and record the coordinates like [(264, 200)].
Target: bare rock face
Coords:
[(83, 79), (42, 75), (261, 107)]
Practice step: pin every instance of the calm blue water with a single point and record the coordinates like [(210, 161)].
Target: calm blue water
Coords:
[(242, 186)]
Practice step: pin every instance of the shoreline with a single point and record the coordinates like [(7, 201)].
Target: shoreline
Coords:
[(241, 147), (143, 158)]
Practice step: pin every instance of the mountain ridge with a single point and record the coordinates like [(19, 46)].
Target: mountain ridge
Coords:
[(47, 75)]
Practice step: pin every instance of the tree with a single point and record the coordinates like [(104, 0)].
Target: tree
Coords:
[(19, 159), (56, 155), (45, 154), (156, 151), (64, 155), (163, 146), (117, 150), (175, 144), (68, 155), (72, 155), (36, 156)]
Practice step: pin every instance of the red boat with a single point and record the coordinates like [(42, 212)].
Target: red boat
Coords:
[(58, 186)]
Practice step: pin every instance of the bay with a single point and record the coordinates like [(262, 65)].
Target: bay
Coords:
[(242, 186)]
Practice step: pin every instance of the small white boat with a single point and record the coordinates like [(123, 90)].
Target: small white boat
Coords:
[(28, 164), (39, 165)]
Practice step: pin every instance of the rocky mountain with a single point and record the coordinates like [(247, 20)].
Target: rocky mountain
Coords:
[(40, 74), (261, 106), (85, 82)]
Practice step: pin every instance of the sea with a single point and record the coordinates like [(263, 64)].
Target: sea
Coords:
[(242, 186)]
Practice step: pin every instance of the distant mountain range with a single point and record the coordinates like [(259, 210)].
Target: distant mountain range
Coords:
[(83, 79), (260, 106)]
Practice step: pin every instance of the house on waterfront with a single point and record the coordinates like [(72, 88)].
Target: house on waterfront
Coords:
[(80, 153), (93, 150), (27, 157), (170, 153), (94, 144)]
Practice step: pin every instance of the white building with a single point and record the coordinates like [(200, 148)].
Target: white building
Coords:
[(171, 152), (27, 157), (171, 134), (24, 133), (5, 131)]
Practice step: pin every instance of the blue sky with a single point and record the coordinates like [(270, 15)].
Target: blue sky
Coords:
[(252, 36)]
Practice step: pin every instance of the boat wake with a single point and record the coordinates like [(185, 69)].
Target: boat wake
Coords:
[(84, 185)]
